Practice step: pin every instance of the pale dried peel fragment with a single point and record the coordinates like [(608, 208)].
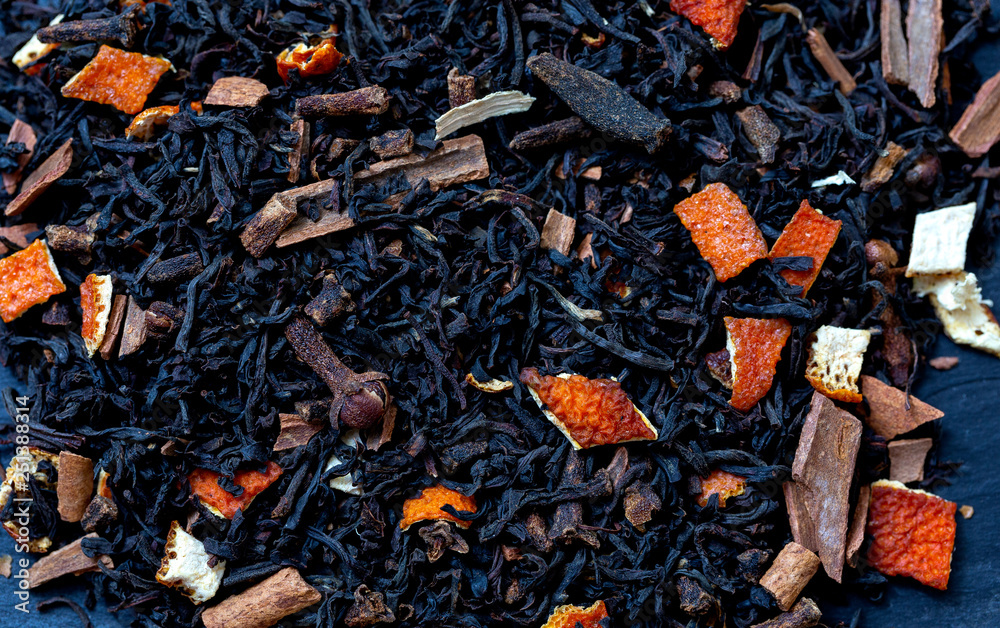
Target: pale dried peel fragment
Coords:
[(959, 305), (34, 49), (344, 483), (187, 567), (491, 386), (939, 240), (496, 104), (835, 358)]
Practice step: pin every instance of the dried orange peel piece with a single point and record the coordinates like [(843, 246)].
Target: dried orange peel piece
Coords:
[(808, 234), (143, 125), (28, 278), (721, 483), (913, 533), (835, 358), (95, 301), (754, 346), (117, 78), (310, 60), (570, 616), (722, 229), (205, 486), (427, 506), (589, 412), (719, 18)]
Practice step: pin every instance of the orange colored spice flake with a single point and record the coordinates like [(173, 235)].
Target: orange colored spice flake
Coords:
[(808, 234), (310, 60), (570, 616), (27, 278), (205, 485), (117, 78), (723, 484), (722, 229), (755, 346), (913, 533), (718, 17), (427, 506), (588, 411)]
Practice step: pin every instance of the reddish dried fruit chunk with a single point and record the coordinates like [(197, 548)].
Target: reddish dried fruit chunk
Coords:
[(95, 301), (722, 229), (913, 533), (723, 484), (754, 348), (117, 78), (427, 506), (588, 411), (27, 278), (205, 486), (310, 60), (808, 234), (718, 17), (570, 616)]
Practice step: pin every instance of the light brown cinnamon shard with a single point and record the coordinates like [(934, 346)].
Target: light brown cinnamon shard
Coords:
[(300, 154), (884, 167), (267, 224), (906, 459), (20, 133), (18, 234), (805, 614), (822, 474), (236, 91), (761, 132), (36, 183), (856, 533), (331, 218), (558, 232), (895, 61), (944, 362), (75, 486), (294, 432), (924, 33), (828, 59), (114, 329), (69, 560), (979, 127), (461, 88), (264, 604), (891, 411), (457, 161), (372, 100), (790, 572), (134, 331)]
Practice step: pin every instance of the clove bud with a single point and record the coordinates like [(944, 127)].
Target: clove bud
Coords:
[(364, 408)]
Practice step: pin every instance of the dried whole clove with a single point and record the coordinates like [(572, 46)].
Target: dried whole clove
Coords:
[(558, 132), (76, 241), (331, 302), (461, 88), (175, 269), (121, 28), (369, 609)]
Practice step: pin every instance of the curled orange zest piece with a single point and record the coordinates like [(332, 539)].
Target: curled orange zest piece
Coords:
[(310, 60), (95, 301), (570, 616), (143, 124), (755, 346), (723, 484), (205, 486), (808, 234), (718, 17), (913, 533), (722, 229), (427, 506), (588, 411), (117, 78), (28, 278)]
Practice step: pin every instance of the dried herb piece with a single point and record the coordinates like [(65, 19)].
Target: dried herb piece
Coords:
[(913, 533), (114, 326), (441, 537), (294, 432), (20, 133), (831, 63), (121, 28), (28, 278), (569, 616), (236, 91), (719, 18), (187, 567), (558, 132), (979, 127), (75, 486), (906, 459), (117, 78), (835, 359), (36, 183), (317, 60), (924, 32), (884, 166), (808, 234), (761, 132), (480, 110), (791, 571), (891, 411), (754, 346), (603, 104), (640, 502), (804, 614), (65, 561), (722, 229), (264, 604), (895, 54), (721, 483), (461, 88), (372, 100), (558, 232), (427, 507), (222, 503)]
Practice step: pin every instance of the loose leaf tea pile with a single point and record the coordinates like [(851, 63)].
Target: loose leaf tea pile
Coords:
[(310, 379)]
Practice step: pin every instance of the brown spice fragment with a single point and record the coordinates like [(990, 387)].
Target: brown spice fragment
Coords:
[(368, 609), (372, 100), (895, 55), (726, 90), (75, 486), (490, 106), (440, 537), (906, 459), (640, 502), (300, 154), (5, 563), (828, 59), (36, 183), (392, 144), (264, 604), (331, 218), (121, 28), (791, 571), (966, 512), (568, 519), (236, 91), (266, 225), (20, 133), (457, 161), (294, 432), (720, 367), (461, 88), (538, 533), (567, 130), (163, 319), (883, 168), (891, 411), (115, 320), (805, 614), (558, 232), (68, 560), (856, 533), (176, 269), (17, 234), (761, 132), (134, 331), (979, 127), (944, 362), (822, 472), (75, 240), (100, 514), (331, 302), (696, 601), (924, 33)]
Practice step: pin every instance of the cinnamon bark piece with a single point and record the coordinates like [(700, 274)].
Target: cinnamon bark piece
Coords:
[(300, 154), (372, 100), (294, 432), (822, 473), (805, 614), (236, 91), (457, 161), (36, 183), (828, 59), (17, 234), (924, 33), (264, 604), (75, 486), (856, 533), (895, 55), (790, 572), (558, 232), (68, 560), (892, 411), (266, 225), (20, 132), (906, 459), (331, 218), (134, 332), (979, 127), (884, 167), (114, 329), (461, 88)]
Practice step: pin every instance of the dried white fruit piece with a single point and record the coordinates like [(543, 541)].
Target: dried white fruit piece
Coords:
[(960, 307), (835, 359), (939, 240), (188, 567)]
